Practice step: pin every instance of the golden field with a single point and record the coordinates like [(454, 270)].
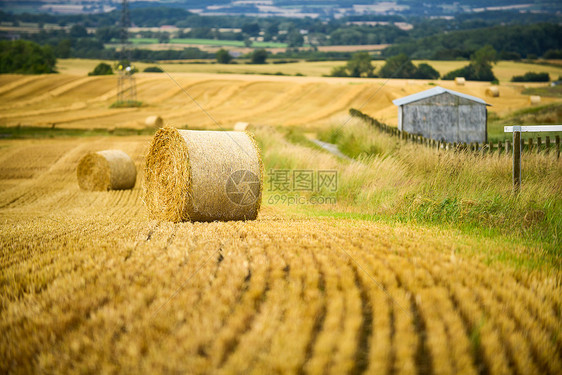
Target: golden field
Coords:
[(504, 70), (90, 284), (73, 100)]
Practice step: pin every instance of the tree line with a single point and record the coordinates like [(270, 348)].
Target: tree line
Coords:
[(521, 35), (401, 66)]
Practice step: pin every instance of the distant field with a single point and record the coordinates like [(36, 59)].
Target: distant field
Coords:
[(313, 69), (504, 70), (71, 99)]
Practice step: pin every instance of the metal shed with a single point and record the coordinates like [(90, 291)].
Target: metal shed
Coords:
[(444, 115)]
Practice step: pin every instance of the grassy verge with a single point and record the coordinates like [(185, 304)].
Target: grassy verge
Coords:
[(550, 91), (539, 115), (405, 183)]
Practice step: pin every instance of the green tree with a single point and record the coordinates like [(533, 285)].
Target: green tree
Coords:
[(360, 65), (223, 56), (164, 38), (339, 71), (122, 65), (480, 67), (153, 69), (101, 69), (26, 57), (399, 66), (78, 31), (295, 39), (105, 33), (482, 61), (259, 56), (252, 29), (63, 48), (426, 71), (532, 77)]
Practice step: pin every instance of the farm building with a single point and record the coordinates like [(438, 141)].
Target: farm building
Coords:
[(443, 115)]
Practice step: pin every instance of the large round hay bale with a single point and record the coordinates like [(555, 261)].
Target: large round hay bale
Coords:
[(154, 121), (241, 126), (460, 81), (106, 170), (535, 99), (493, 91), (195, 175)]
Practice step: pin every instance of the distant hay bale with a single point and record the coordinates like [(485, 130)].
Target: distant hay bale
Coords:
[(154, 121), (493, 91), (534, 99), (460, 81), (195, 175), (241, 126), (106, 170), (78, 105)]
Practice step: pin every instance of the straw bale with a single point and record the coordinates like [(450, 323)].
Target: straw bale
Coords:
[(106, 170), (493, 91), (195, 175), (78, 105), (534, 99), (241, 126), (460, 81), (154, 121)]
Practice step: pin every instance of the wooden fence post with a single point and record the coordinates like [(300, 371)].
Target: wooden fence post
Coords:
[(547, 144), (516, 159), (539, 144), (557, 147)]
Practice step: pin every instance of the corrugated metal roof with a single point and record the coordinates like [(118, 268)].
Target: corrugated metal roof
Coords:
[(432, 92)]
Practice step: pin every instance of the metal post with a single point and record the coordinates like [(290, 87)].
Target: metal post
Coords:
[(516, 159)]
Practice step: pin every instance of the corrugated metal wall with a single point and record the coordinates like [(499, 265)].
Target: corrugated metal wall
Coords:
[(446, 117)]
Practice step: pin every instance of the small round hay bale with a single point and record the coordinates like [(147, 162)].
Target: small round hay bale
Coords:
[(106, 170), (154, 121), (460, 81), (493, 91), (241, 126), (534, 99), (193, 175), (77, 105)]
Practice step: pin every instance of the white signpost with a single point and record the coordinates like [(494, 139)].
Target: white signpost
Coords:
[(517, 130)]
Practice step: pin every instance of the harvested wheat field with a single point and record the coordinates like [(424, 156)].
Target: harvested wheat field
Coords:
[(90, 284), (75, 101), (425, 262)]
